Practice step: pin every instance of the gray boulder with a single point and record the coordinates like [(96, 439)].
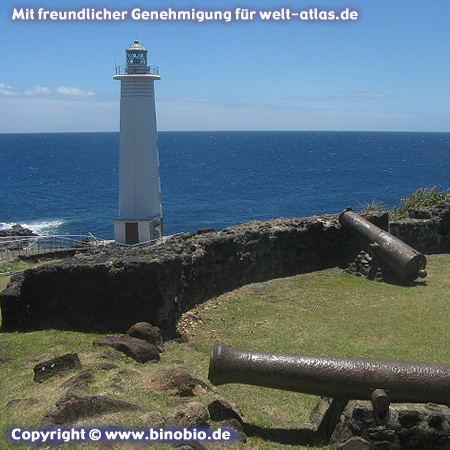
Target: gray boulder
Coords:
[(192, 414), (147, 332), (138, 349), (56, 366)]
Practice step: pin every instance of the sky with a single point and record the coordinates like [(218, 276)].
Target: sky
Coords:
[(387, 70)]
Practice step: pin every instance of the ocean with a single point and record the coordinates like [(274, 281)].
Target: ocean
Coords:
[(67, 183)]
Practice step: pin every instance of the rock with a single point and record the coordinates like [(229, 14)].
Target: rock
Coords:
[(117, 387), (369, 266), (104, 446), (325, 416), (17, 230), (190, 415), (174, 381), (151, 362), (427, 230), (23, 402), (178, 362), (222, 410), (177, 401), (355, 443), (128, 372), (78, 384), (237, 427), (147, 332), (205, 230), (56, 366), (108, 354), (407, 426), (74, 408), (107, 366), (80, 388), (85, 376), (137, 349), (191, 446), (153, 419), (233, 424)]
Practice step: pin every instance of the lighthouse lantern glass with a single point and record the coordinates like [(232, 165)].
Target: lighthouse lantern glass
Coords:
[(137, 58)]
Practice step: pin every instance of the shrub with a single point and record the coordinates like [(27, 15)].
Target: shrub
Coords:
[(423, 197)]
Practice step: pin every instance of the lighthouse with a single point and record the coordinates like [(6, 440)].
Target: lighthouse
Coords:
[(140, 213)]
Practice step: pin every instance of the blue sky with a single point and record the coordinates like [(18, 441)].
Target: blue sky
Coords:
[(389, 70)]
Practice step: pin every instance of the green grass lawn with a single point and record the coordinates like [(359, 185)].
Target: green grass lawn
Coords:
[(323, 313)]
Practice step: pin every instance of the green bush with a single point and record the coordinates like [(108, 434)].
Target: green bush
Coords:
[(423, 197)]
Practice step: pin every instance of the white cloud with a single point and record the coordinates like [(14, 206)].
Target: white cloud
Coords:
[(7, 90), (38, 90), (74, 91)]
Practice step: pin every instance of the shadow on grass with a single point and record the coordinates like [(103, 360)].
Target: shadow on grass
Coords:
[(287, 436)]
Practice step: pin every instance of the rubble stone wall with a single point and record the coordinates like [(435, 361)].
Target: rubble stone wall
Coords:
[(113, 288), (427, 230)]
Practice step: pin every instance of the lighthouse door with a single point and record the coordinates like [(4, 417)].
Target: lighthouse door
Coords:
[(131, 233)]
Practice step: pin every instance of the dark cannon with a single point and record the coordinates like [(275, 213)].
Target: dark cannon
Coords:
[(403, 259), (380, 380)]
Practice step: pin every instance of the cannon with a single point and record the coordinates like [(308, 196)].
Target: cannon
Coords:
[(403, 259), (380, 380)]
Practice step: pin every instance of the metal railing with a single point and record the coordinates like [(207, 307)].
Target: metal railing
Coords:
[(137, 69), (14, 246)]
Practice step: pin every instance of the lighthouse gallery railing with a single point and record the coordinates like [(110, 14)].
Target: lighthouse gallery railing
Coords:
[(128, 70)]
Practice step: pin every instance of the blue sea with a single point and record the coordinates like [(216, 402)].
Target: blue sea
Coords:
[(67, 183)]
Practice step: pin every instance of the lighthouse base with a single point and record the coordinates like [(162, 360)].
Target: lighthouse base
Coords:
[(132, 232)]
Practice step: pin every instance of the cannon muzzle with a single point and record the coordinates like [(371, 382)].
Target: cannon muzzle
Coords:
[(335, 377), (403, 259)]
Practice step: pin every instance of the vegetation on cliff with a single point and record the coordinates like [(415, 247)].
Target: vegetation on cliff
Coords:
[(424, 197)]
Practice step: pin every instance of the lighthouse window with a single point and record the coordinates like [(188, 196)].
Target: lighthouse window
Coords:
[(137, 58)]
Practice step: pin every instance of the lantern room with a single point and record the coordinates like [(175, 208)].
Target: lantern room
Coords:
[(136, 56)]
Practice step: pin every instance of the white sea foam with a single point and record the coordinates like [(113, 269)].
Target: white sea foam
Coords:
[(40, 227), (5, 225)]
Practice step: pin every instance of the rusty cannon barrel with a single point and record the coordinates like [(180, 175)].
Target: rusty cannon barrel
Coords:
[(335, 377), (403, 259)]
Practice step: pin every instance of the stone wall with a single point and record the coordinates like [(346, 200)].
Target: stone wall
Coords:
[(111, 288), (428, 229), (406, 426)]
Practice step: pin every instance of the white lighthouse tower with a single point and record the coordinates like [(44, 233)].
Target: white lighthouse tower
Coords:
[(140, 212)]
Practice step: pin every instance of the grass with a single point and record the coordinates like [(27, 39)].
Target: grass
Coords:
[(323, 313), (10, 266), (16, 265)]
